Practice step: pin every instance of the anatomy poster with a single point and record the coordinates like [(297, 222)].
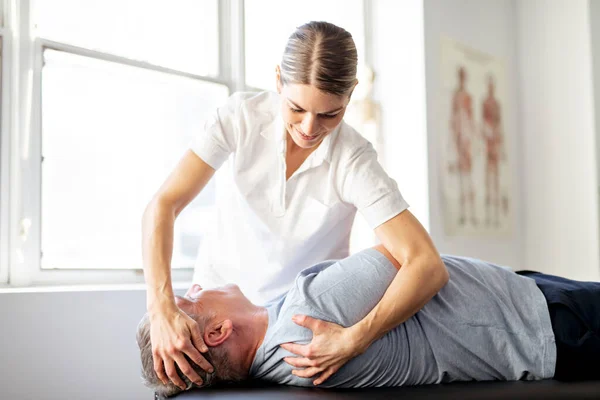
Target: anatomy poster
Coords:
[(474, 161)]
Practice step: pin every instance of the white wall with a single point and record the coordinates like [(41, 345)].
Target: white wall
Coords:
[(558, 138), (399, 62), (488, 26), (595, 45), (71, 345)]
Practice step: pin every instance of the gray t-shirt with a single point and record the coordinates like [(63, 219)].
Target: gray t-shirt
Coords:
[(487, 323)]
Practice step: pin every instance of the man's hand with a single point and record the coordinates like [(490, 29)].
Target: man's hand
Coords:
[(173, 333), (331, 347)]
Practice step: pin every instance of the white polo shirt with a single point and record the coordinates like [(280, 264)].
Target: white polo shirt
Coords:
[(269, 229)]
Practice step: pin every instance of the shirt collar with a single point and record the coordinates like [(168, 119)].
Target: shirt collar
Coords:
[(323, 152), (274, 129)]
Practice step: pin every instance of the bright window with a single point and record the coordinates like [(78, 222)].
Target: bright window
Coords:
[(111, 133), (178, 34), (110, 94)]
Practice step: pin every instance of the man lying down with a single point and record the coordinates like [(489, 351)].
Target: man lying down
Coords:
[(487, 323)]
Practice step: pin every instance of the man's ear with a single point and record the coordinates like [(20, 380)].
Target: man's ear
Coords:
[(218, 332), (278, 79)]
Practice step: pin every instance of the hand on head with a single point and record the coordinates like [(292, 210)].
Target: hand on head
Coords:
[(182, 372), (169, 341)]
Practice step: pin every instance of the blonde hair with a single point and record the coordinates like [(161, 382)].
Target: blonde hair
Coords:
[(323, 55)]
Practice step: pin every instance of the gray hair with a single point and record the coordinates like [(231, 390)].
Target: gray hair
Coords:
[(321, 54), (217, 356)]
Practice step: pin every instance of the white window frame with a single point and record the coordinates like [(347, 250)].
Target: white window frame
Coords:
[(5, 144), (20, 139), (21, 157)]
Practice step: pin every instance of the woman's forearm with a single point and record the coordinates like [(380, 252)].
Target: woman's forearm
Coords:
[(183, 184), (157, 249), (414, 285)]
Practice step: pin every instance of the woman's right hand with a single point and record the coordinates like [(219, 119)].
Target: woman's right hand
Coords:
[(172, 334)]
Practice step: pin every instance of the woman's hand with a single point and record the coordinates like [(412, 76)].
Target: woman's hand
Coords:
[(173, 333), (331, 347)]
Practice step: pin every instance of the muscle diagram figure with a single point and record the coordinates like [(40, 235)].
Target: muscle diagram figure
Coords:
[(462, 126), (494, 145)]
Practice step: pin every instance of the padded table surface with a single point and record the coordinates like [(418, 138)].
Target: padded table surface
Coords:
[(549, 389)]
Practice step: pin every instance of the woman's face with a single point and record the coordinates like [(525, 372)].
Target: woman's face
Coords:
[(310, 114)]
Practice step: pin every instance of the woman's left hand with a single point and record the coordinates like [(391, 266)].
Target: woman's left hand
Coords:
[(331, 347)]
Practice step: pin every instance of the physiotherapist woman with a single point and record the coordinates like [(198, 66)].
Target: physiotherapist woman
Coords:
[(298, 175)]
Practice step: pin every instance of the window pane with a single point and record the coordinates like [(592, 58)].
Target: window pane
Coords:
[(182, 35), (111, 134), (265, 42)]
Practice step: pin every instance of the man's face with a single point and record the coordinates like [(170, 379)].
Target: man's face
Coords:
[(198, 301)]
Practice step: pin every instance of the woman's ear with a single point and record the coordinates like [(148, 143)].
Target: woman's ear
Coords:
[(218, 332), (278, 79), (352, 90)]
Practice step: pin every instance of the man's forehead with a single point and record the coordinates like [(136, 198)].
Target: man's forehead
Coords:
[(186, 301)]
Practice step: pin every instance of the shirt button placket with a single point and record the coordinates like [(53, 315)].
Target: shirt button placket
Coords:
[(280, 205)]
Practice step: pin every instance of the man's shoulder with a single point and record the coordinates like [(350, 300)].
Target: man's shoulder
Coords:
[(297, 295), (315, 269), (268, 364)]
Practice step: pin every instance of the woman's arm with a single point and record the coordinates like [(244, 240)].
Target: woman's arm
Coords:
[(183, 184), (173, 333), (420, 276)]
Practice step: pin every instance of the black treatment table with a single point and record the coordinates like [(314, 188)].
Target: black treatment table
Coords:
[(548, 389)]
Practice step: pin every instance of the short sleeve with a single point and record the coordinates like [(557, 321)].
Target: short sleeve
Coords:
[(218, 137), (365, 275), (370, 189)]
